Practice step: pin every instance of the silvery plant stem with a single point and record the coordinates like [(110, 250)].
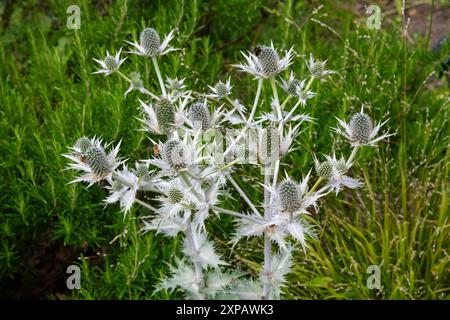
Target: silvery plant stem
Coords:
[(267, 243), (352, 156), (158, 74), (197, 266)]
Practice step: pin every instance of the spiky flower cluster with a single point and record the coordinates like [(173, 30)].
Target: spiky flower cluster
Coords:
[(203, 147)]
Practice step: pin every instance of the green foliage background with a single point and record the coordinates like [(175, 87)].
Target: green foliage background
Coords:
[(49, 98)]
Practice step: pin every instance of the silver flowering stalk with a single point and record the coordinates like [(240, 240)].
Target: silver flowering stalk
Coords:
[(187, 184)]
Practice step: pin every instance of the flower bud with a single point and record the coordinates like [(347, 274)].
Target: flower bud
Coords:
[(341, 166), (221, 89), (175, 195), (293, 86), (142, 170), (316, 69)]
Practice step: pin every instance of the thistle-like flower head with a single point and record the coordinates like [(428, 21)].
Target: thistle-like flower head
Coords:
[(199, 114), (150, 44), (176, 88), (325, 170), (174, 153), (317, 68), (361, 130), (165, 114), (334, 171), (290, 195), (110, 63), (89, 157), (264, 62), (220, 90)]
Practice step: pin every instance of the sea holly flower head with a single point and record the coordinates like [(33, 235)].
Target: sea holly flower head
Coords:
[(361, 130), (150, 44), (292, 197), (165, 115), (200, 117), (317, 68), (89, 157), (265, 62), (220, 90), (199, 114), (177, 155), (110, 63)]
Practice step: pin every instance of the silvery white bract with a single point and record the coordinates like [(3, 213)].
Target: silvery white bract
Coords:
[(197, 169)]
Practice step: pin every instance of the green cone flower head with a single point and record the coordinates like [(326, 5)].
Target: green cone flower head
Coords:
[(341, 166), (325, 170), (97, 161), (268, 59), (173, 153), (150, 41), (361, 127), (142, 170), (199, 113), (83, 144), (289, 194), (270, 143), (175, 195), (165, 114)]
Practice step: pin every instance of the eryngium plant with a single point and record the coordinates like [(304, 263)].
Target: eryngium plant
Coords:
[(194, 166)]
